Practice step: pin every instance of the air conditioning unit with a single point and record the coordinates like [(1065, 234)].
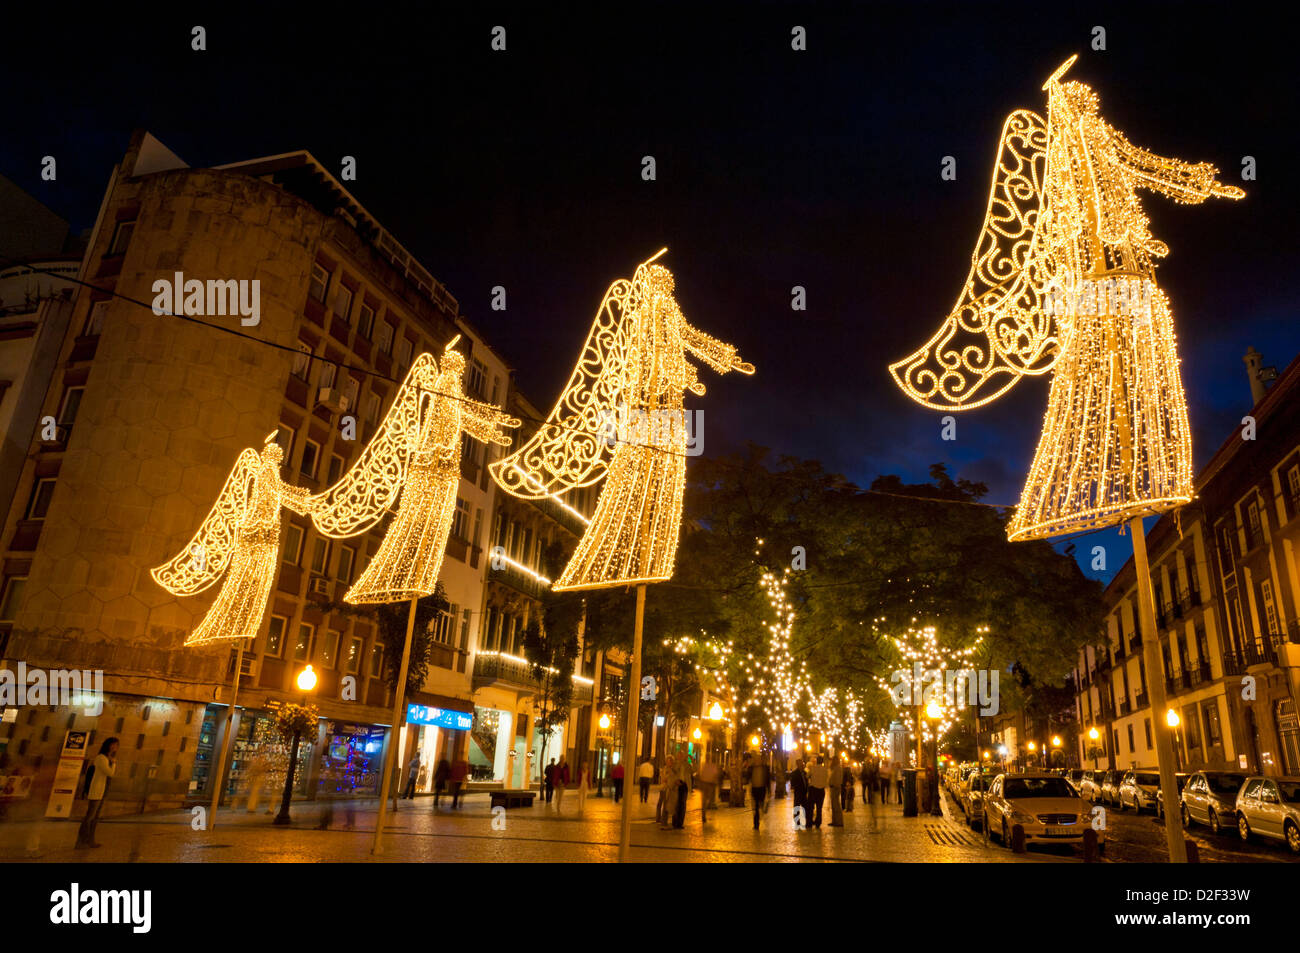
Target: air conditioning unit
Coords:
[(247, 668), (332, 399), (320, 586)]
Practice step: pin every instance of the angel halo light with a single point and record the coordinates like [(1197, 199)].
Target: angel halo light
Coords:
[(1062, 280)]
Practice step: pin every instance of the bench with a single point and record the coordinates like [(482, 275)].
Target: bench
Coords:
[(509, 799)]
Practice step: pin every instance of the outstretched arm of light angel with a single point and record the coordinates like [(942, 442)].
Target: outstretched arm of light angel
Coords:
[(359, 500), (295, 498), (204, 558), (719, 355), (1188, 182), (483, 422)]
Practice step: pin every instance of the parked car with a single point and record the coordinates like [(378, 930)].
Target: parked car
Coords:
[(1210, 797), (1090, 785), (971, 798), (1075, 777), (1180, 778), (1270, 807), (1043, 804), (1110, 783), (1138, 788)]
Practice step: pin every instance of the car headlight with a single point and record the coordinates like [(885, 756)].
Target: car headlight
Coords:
[(1020, 817)]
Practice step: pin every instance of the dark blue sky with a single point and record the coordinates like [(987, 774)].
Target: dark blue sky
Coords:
[(775, 168)]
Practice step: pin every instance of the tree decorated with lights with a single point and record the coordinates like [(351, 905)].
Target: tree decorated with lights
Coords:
[(1063, 280), (920, 680), (633, 368)]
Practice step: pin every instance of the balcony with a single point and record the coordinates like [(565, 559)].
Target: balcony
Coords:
[(518, 673), (1140, 701), (1233, 664), (1162, 618), (1198, 675), (516, 578), (1176, 681), (1121, 707), (1120, 650), (1260, 653)]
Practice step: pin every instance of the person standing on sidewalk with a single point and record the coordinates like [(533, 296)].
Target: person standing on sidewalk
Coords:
[(412, 772), (799, 791), (97, 778), (617, 777), (835, 785), (561, 782), (818, 778), (710, 774), (440, 775), (870, 778), (684, 779), (848, 793), (758, 779), (644, 775), (584, 783), (548, 775)]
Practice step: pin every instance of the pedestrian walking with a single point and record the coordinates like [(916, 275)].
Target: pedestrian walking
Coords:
[(710, 775), (97, 777), (561, 782), (799, 790), (818, 778), (898, 781), (779, 778), (548, 775), (459, 772), (440, 775), (412, 773), (848, 793), (644, 775), (683, 791), (835, 782), (758, 781), (886, 781), (870, 778), (584, 784), (256, 778), (617, 777)]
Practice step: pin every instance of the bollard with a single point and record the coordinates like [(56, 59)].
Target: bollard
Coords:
[(1193, 852), (1018, 838), (1089, 846)]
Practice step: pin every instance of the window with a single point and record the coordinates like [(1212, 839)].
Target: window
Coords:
[(320, 556), (306, 641), (347, 556), (464, 630), (1131, 745), (95, 319), (320, 281), (121, 238), (376, 660), (404, 349), (329, 652), (387, 331), (13, 597), (478, 525), (310, 457), (291, 552), (1114, 740), (302, 360), (365, 320), (284, 437), (1212, 735), (1146, 722), (343, 302), (476, 379), (442, 626), (1193, 729), (353, 662), (1270, 607), (275, 635), (1252, 521), (511, 639), (71, 403), (460, 521), (350, 389), (327, 374), (1293, 486), (336, 468), (372, 409), (39, 504)]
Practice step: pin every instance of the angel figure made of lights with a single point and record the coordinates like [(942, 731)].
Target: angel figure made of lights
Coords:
[(240, 540), (415, 453), (1063, 280), (632, 367)]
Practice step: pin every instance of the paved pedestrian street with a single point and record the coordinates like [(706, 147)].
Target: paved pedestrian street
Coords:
[(537, 834)]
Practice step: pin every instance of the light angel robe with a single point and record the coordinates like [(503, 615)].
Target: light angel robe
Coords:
[(633, 368), (240, 539), (1062, 280), (415, 453)]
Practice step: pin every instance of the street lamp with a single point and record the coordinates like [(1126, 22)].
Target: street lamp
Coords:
[(1172, 719), (934, 712), (1094, 735), (1056, 749), (715, 713), (306, 681), (603, 723)]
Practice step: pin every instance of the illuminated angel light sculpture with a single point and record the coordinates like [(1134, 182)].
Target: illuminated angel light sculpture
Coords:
[(239, 539), (1062, 280), (632, 364), (414, 454)]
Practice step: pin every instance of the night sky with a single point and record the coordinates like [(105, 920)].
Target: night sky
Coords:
[(775, 168)]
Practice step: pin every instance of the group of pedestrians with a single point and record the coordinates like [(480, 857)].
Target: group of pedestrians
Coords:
[(445, 776)]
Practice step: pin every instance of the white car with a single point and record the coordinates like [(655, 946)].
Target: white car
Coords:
[(1043, 804), (1138, 790), (1270, 807)]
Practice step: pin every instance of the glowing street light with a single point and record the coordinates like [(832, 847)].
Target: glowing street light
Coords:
[(604, 722), (1172, 718), (306, 679), (1093, 733), (715, 713)]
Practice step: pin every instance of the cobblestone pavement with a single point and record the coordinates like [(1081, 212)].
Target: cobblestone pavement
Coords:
[(541, 833)]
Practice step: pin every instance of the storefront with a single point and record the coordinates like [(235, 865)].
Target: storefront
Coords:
[(492, 755), (351, 761), (437, 732), (259, 757)]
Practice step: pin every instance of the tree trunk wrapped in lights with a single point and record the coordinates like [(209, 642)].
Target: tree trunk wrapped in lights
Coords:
[(240, 539), (416, 452), (1062, 280), (631, 374)]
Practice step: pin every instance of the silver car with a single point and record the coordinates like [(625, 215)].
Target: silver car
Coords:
[(1270, 807), (1138, 788), (1210, 797)]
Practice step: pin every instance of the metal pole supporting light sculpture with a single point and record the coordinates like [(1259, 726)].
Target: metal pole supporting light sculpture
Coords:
[(415, 454), (1063, 280), (632, 371)]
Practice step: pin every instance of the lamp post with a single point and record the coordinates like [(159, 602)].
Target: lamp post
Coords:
[(1094, 735), (603, 723), (1056, 749), (1172, 719), (306, 682), (934, 712)]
